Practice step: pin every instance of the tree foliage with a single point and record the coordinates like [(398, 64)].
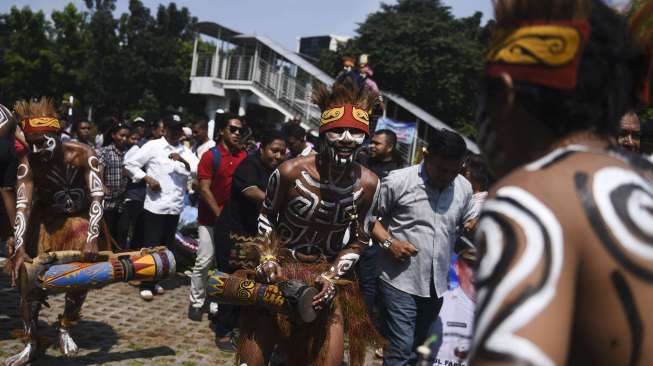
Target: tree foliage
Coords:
[(132, 63), (27, 56), (420, 50)]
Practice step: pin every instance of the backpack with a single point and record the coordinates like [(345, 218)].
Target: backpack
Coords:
[(216, 160)]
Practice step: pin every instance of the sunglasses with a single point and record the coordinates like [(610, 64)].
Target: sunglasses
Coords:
[(234, 129)]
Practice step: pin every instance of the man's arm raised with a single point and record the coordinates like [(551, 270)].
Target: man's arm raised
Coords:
[(525, 283)]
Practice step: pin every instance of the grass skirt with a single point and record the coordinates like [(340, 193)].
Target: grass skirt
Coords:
[(307, 344)]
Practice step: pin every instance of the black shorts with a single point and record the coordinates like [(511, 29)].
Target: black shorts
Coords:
[(8, 163)]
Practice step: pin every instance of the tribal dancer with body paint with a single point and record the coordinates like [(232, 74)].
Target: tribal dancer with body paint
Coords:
[(566, 237), (319, 207), (8, 162), (58, 207)]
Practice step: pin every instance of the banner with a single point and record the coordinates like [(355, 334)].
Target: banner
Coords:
[(405, 130)]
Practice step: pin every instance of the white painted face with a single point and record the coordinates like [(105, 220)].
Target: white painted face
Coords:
[(346, 136), (44, 148), (343, 144)]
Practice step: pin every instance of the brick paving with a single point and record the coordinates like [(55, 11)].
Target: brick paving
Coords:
[(119, 328)]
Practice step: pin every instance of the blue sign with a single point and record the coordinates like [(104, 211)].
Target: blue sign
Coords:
[(405, 130)]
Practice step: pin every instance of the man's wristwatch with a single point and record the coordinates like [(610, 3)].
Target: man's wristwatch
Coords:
[(387, 243)]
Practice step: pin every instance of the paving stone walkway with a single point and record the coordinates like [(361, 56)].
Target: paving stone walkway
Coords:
[(118, 328)]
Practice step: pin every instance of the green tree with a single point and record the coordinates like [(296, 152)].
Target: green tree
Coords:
[(69, 32), (172, 55), (135, 32), (103, 75), (420, 50), (26, 56), (135, 63)]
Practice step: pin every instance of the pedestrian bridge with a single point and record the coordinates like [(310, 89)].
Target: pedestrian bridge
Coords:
[(258, 77)]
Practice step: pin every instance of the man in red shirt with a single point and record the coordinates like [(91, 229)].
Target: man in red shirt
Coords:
[(214, 173)]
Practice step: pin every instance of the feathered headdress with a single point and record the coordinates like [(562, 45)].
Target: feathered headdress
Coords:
[(347, 104), (542, 42), (37, 116), (539, 41)]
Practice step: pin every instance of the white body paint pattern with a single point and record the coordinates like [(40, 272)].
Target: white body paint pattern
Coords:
[(94, 163), (309, 224), (346, 137), (272, 189), (95, 215), (5, 116), (264, 226), (21, 196), (543, 243), (22, 171), (20, 224), (370, 218), (618, 204), (553, 156), (625, 216), (306, 209), (345, 263), (96, 187), (50, 145), (95, 183), (68, 199)]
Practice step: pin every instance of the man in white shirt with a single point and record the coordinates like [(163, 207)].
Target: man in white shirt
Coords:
[(201, 136), (296, 141), (165, 165)]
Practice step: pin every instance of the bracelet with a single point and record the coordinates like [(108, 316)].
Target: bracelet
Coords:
[(329, 277)]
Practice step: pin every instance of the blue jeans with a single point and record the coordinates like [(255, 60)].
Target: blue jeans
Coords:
[(408, 320), (368, 276)]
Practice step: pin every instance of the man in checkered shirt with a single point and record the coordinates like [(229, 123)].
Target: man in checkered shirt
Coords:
[(111, 159)]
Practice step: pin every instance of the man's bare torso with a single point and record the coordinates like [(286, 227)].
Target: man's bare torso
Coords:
[(567, 268), (315, 211), (61, 184)]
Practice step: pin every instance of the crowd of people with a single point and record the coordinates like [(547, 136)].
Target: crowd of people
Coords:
[(301, 244)]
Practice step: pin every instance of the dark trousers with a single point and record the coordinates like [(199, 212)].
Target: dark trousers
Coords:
[(227, 317), (368, 275), (367, 270), (408, 320), (159, 230), (112, 218), (131, 218)]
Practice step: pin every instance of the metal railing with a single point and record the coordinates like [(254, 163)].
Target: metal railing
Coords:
[(286, 88), (271, 80), (204, 64), (239, 68)]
